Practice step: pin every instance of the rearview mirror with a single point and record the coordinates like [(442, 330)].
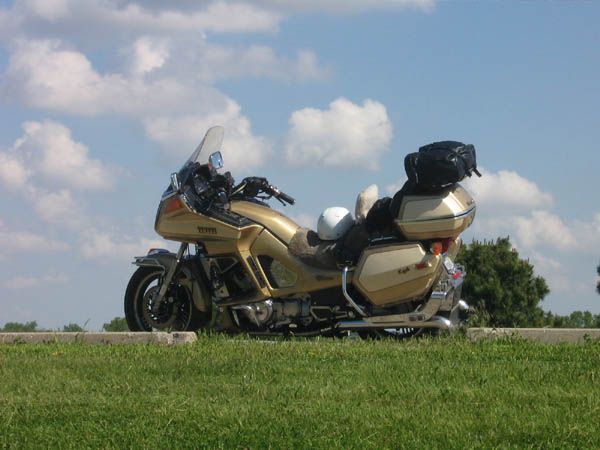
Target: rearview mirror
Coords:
[(175, 184), (216, 160)]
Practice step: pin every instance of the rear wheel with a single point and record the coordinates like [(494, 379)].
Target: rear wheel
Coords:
[(176, 313)]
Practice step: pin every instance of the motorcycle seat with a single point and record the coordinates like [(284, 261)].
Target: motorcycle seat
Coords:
[(312, 251), (329, 255)]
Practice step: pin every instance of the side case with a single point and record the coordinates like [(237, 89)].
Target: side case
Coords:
[(392, 274)]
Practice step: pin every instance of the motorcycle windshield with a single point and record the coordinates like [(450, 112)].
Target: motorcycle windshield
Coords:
[(213, 139)]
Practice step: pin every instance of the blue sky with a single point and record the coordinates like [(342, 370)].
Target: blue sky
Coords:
[(101, 100)]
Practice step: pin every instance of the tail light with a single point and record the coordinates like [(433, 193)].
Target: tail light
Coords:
[(440, 247)]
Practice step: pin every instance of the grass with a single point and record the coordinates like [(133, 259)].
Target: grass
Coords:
[(240, 393)]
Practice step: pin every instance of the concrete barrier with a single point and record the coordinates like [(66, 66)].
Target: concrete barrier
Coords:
[(546, 335), (175, 338)]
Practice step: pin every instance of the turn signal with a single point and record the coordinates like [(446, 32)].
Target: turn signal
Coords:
[(172, 205)]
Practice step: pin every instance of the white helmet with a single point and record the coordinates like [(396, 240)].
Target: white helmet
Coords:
[(334, 223)]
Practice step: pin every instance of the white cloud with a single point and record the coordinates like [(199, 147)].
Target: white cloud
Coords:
[(58, 208), (148, 54), (25, 241), (43, 166), (48, 74), (220, 62), (48, 149), (346, 6), (510, 204), (174, 112), (102, 246), (45, 74), (13, 174), (24, 282), (242, 150), (89, 19), (543, 228), (344, 135), (552, 271), (50, 10), (506, 189)]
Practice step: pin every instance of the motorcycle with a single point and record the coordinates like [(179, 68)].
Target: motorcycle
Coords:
[(263, 274)]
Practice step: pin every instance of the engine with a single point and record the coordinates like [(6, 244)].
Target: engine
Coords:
[(275, 313)]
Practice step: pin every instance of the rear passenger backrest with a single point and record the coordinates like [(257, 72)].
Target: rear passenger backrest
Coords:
[(365, 201)]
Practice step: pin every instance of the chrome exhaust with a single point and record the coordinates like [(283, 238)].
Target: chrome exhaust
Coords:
[(349, 299), (438, 322), (462, 305)]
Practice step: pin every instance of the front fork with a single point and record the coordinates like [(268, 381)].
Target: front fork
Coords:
[(166, 281)]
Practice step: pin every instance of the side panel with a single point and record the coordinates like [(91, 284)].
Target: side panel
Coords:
[(307, 278), (187, 226), (281, 226), (396, 273)]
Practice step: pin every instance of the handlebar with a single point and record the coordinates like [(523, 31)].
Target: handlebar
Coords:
[(252, 187), (286, 198), (281, 196)]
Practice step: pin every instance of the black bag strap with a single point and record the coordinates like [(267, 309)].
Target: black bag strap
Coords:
[(410, 167)]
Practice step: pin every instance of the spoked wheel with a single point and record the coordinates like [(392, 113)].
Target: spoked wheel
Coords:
[(176, 313)]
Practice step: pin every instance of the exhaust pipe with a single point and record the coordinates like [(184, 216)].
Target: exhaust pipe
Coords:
[(438, 322), (462, 305)]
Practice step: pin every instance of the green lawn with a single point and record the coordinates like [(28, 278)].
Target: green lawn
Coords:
[(241, 393)]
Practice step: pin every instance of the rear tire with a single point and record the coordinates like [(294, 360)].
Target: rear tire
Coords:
[(177, 313)]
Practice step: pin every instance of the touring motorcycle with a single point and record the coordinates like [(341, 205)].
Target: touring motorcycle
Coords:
[(389, 270)]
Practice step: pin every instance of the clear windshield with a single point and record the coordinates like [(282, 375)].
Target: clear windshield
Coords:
[(213, 139)]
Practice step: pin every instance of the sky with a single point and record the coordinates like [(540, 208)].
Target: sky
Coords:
[(100, 100)]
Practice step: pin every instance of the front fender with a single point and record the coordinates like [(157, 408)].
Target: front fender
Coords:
[(161, 258), (193, 278)]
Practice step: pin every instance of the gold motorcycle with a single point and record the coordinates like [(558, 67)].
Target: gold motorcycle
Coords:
[(261, 273)]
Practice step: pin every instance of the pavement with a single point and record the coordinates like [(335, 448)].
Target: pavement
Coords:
[(161, 338), (545, 335)]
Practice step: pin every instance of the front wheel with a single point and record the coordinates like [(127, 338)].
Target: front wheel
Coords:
[(177, 311)]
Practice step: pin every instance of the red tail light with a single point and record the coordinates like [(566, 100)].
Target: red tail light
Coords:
[(446, 243), (439, 247)]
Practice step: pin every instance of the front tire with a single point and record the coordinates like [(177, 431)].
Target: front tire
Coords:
[(177, 312)]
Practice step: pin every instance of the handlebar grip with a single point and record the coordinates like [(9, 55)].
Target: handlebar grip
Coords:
[(286, 198)]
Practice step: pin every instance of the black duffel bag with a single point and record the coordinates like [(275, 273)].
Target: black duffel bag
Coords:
[(441, 164)]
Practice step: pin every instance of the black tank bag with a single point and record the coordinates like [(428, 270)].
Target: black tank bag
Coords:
[(441, 164)]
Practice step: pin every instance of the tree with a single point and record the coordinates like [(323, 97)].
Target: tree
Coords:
[(73, 327), (117, 324), (577, 319), (501, 285), (15, 327)]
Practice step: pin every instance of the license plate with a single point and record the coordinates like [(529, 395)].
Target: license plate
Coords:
[(448, 264)]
